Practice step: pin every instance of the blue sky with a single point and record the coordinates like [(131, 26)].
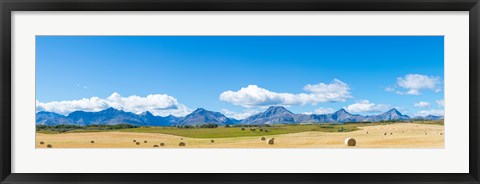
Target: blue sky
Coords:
[(240, 75)]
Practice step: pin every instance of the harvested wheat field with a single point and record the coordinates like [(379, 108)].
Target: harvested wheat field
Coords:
[(398, 135)]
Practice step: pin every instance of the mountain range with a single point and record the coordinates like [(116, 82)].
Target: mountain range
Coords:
[(273, 115)]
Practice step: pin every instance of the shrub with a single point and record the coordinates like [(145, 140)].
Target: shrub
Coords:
[(209, 125), (65, 128)]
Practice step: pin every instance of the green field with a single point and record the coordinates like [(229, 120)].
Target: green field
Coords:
[(434, 122), (222, 132), (225, 132)]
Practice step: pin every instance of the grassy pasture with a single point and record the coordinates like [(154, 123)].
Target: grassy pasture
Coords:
[(386, 135), (434, 122), (224, 132)]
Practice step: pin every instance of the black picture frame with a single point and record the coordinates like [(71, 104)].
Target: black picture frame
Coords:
[(7, 6)]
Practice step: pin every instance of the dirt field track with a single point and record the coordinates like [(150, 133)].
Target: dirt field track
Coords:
[(400, 135)]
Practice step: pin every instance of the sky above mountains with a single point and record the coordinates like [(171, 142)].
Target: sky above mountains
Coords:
[(240, 75)]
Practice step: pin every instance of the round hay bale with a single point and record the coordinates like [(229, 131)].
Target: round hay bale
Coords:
[(137, 143), (367, 132), (144, 141), (41, 142), (155, 145), (270, 141), (181, 144), (391, 133), (385, 133), (162, 144), (440, 133), (134, 140), (350, 142), (425, 133), (262, 139), (49, 146), (92, 142), (212, 141)]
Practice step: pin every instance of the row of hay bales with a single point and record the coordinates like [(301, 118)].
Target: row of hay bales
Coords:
[(145, 141), (181, 143), (51, 146), (391, 133), (135, 141), (254, 129), (48, 145), (269, 141)]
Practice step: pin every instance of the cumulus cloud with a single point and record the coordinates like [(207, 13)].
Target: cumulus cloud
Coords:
[(414, 83), (441, 103), (254, 96), (238, 116), (365, 106), (157, 104), (422, 104), (410, 92), (321, 110), (435, 112), (390, 89), (84, 87)]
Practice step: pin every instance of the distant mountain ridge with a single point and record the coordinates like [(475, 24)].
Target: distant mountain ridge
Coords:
[(202, 116), (273, 115), (280, 115), (108, 116)]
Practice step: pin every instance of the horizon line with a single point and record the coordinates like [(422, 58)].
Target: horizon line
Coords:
[(234, 118)]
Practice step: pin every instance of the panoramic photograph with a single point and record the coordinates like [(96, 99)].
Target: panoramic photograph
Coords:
[(160, 92)]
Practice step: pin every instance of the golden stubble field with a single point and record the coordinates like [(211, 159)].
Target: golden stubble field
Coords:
[(400, 135)]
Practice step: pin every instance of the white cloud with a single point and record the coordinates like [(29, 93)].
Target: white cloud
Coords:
[(409, 92), (254, 96), (441, 103), (435, 112), (422, 104), (157, 104), (84, 87), (390, 89), (322, 110), (413, 92), (413, 83), (238, 116), (364, 106)]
